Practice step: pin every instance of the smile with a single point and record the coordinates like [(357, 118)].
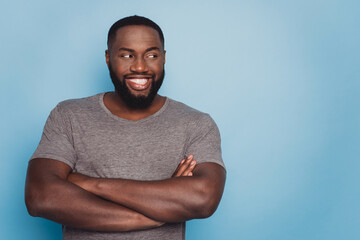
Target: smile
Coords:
[(139, 83)]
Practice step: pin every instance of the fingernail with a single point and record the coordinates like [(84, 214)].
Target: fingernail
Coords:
[(182, 161), (190, 156), (192, 163)]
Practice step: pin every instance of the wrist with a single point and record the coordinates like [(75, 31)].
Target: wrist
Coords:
[(88, 184), (148, 222)]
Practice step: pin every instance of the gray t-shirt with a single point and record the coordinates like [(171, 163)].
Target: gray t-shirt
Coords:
[(85, 135)]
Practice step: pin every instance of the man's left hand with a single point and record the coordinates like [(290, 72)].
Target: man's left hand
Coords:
[(185, 167)]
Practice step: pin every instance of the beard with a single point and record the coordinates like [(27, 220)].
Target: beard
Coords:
[(131, 100)]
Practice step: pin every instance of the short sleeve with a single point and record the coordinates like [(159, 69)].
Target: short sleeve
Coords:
[(205, 141), (56, 141)]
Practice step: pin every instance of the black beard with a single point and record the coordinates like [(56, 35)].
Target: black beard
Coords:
[(132, 101)]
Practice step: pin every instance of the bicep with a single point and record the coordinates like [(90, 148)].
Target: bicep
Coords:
[(42, 172), (43, 167), (211, 172), (213, 177), (43, 176)]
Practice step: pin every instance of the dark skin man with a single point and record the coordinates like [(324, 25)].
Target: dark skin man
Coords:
[(54, 192)]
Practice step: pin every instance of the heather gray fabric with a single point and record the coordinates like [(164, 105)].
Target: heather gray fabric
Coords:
[(84, 134)]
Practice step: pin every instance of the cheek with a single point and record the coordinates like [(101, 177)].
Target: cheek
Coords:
[(120, 68), (156, 66)]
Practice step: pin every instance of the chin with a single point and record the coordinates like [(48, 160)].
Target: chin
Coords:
[(132, 99)]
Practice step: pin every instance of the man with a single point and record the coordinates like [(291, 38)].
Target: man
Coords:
[(107, 166)]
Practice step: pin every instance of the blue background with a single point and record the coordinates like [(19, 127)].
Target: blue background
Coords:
[(281, 79)]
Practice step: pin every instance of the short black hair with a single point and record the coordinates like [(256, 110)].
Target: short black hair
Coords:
[(133, 20)]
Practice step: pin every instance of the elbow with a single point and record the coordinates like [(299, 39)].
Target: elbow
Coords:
[(31, 205), (36, 203), (207, 208), (208, 201)]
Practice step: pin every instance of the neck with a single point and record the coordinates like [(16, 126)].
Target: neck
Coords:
[(117, 107)]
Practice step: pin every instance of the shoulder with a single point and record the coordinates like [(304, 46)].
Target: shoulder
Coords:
[(78, 105), (182, 108), (195, 118)]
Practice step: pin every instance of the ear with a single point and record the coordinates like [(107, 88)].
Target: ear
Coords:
[(107, 57)]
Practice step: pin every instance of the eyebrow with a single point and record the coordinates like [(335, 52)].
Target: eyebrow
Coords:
[(132, 50), (126, 49), (152, 48)]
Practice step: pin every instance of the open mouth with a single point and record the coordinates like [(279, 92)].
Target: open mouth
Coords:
[(139, 84)]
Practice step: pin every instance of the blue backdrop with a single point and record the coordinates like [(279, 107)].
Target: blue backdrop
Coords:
[(281, 79)]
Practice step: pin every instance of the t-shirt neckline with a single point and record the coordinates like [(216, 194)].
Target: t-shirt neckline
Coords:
[(110, 114)]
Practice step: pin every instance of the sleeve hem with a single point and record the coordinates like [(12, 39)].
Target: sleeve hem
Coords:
[(54, 157), (221, 163)]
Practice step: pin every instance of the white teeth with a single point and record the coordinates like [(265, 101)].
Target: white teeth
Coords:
[(139, 81)]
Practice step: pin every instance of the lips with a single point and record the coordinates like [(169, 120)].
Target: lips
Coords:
[(139, 83)]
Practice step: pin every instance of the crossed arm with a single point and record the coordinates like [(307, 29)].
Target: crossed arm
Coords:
[(76, 200)]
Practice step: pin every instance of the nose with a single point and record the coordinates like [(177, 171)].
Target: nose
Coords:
[(139, 65)]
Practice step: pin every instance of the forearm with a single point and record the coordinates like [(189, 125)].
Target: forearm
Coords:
[(170, 200), (56, 199)]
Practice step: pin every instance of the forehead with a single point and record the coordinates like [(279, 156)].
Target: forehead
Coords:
[(135, 36)]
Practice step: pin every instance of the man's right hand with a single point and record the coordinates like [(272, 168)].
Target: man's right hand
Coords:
[(185, 167)]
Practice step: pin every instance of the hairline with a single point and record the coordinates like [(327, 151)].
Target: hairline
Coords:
[(112, 37)]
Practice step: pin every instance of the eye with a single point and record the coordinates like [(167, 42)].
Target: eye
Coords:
[(152, 55), (126, 56)]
